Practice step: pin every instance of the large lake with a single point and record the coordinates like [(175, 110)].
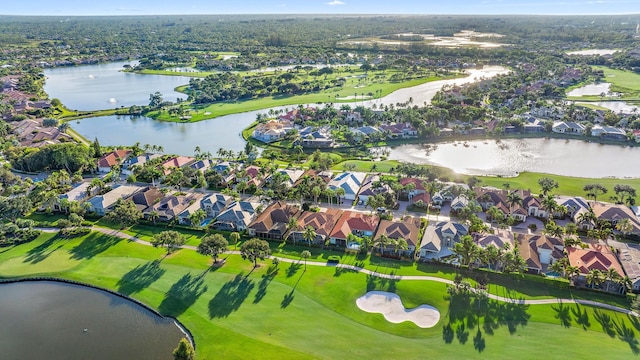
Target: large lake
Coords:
[(47, 320), (512, 156), (105, 86)]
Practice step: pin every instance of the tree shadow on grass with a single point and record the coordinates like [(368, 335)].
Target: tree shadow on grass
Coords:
[(582, 317), (93, 245), (42, 251), (293, 269), (478, 341), (230, 296), (469, 311), (626, 334), (562, 314), (140, 277), (288, 298), (182, 295), (262, 287), (605, 321)]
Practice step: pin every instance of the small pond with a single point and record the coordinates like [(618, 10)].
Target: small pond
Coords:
[(57, 321)]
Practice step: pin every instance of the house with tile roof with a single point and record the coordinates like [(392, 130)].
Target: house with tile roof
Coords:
[(272, 223), (629, 256), (356, 223), (272, 130), (439, 238), (79, 193), (539, 251), (175, 162), (137, 161), (568, 127), (613, 213), (499, 238), (321, 222), (594, 257), (112, 158), (169, 207), (407, 229)]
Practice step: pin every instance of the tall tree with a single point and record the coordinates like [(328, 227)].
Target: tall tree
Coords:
[(309, 235), (547, 184), (169, 239), (305, 255), (466, 250), (124, 213), (594, 190), (255, 249), (184, 351), (213, 245)]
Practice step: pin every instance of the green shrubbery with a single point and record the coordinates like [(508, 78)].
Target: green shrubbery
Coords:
[(16, 233)]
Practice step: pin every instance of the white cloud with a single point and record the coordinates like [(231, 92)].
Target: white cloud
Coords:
[(335, 3)]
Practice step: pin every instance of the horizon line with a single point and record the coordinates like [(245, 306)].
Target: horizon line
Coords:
[(318, 14)]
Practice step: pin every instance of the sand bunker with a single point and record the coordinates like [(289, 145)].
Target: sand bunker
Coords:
[(390, 305)]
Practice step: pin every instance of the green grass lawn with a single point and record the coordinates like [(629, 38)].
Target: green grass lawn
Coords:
[(234, 312), (347, 93), (622, 81)]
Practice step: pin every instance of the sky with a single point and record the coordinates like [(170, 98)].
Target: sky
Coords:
[(167, 7)]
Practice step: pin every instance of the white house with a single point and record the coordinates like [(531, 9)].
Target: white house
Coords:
[(350, 182), (102, 204)]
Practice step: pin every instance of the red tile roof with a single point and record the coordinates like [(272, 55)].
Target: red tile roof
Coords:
[(113, 158), (350, 221)]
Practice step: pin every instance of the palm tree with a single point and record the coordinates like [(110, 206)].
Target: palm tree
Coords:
[(572, 272), (339, 193), (557, 267), (550, 205), (626, 283), (305, 255), (154, 216), (513, 198), (383, 241), (400, 244), (611, 275), (595, 278), (197, 217), (624, 226), (494, 214), (309, 234), (292, 225), (467, 250)]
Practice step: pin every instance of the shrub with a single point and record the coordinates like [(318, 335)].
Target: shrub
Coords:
[(74, 232), (333, 259), (63, 223), (533, 227)]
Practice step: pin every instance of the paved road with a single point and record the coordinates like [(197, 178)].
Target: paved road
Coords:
[(120, 234)]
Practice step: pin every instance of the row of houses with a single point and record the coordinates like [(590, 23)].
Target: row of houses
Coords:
[(221, 211), (600, 131), (333, 226)]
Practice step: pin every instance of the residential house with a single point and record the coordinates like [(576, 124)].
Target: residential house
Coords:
[(202, 165), (407, 229), (371, 186), (184, 217), (175, 163), (169, 207), (356, 223), (290, 175), (459, 202), (253, 177), (400, 130), (439, 238), (350, 182), (321, 222), (594, 257), (136, 161), (568, 127), (540, 251), (608, 132), (111, 159), (488, 197), (316, 137), (237, 216), (499, 239), (614, 213), (365, 132), (215, 204), (326, 176), (272, 130), (79, 193), (574, 205), (422, 200), (147, 197), (629, 256), (273, 222), (533, 206), (418, 187), (102, 204)]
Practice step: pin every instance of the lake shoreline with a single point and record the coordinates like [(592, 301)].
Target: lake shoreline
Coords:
[(176, 322)]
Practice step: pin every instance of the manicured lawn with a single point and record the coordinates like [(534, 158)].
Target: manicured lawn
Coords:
[(568, 185), (234, 312), (381, 86)]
